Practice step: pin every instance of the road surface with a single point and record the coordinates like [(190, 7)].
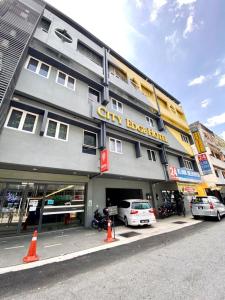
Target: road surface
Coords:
[(184, 264)]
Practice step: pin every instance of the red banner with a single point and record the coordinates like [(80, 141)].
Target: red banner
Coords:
[(104, 161)]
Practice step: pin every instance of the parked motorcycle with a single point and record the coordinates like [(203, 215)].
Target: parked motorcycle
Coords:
[(100, 221)]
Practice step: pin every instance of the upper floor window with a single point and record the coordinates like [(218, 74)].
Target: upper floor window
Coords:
[(146, 91), (57, 130), (90, 142), (134, 83), (117, 105), (115, 145), (188, 164), (117, 72), (96, 58), (184, 138), (21, 120), (38, 67), (93, 95), (45, 24), (216, 172), (66, 80), (149, 121), (151, 155)]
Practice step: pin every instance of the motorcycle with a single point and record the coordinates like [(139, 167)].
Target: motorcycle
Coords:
[(100, 221)]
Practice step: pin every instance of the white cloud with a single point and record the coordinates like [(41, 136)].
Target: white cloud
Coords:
[(139, 3), (189, 26), (215, 120), (221, 81), (172, 40), (217, 72), (156, 6), (185, 2), (205, 103), (117, 31), (197, 80)]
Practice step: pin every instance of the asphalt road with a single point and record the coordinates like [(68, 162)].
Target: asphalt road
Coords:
[(184, 264)]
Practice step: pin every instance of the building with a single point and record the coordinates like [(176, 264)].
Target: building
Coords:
[(210, 155), (64, 97)]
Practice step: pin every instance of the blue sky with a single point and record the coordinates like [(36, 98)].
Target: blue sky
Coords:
[(180, 44)]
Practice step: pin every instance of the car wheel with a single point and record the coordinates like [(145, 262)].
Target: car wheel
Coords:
[(218, 217), (196, 217), (126, 221)]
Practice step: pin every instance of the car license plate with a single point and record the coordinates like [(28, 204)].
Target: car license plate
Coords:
[(144, 221)]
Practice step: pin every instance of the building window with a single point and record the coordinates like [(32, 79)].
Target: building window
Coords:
[(38, 67), (117, 105), (188, 164), (134, 83), (21, 120), (90, 142), (45, 24), (117, 72), (151, 155), (90, 54), (63, 35), (115, 145), (93, 95), (146, 91), (184, 138), (149, 121), (66, 80), (223, 173), (57, 130)]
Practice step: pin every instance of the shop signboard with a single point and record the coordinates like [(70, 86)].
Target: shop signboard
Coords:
[(204, 164), (198, 141), (183, 174), (104, 160), (102, 113)]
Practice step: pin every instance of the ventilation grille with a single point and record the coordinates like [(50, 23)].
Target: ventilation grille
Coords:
[(17, 24)]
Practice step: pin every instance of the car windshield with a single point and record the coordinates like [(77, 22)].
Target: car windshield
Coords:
[(141, 205), (200, 200)]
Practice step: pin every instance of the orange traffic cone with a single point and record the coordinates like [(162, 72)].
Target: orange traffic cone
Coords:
[(32, 255), (109, 238)]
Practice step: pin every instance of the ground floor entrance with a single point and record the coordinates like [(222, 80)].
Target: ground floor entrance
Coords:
[(46, 206), (114, 195)]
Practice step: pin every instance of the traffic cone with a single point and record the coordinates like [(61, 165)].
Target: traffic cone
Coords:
[(32, 255), (109, 238)]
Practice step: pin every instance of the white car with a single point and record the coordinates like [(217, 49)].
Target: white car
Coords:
[(136, 212)]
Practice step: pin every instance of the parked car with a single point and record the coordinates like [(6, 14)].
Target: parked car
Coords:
[(136, 212), (208, 206)]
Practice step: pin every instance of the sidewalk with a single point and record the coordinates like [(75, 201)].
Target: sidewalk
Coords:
[(66, 244)]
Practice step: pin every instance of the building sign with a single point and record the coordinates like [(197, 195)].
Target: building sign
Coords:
[(187, 188), (204, 164), (101, 112), (104, 160), (198, 141), (183, 174)]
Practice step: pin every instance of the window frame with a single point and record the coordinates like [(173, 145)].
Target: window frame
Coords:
[(185, 138), (151, 151), (56, 137), (117, 101), (115, 141), (89, 87), (40, 62), (88, 146), (66, 80), (148, 118), (22, 120), (188, 162)]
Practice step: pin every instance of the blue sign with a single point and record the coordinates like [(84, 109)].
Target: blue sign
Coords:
[(184, 174), (204, 164), (50, 202)]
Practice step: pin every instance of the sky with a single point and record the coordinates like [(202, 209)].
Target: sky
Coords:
[(179, 44)]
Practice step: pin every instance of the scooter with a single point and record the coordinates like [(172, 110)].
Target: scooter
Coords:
[(100, 222)]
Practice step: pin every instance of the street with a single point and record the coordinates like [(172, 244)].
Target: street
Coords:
[(184, 264)]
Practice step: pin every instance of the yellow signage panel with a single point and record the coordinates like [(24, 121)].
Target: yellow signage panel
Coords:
[(198, 142)]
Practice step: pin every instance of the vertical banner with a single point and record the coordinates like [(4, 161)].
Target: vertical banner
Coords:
[(204, 163), (104, 160), (198, 141)]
